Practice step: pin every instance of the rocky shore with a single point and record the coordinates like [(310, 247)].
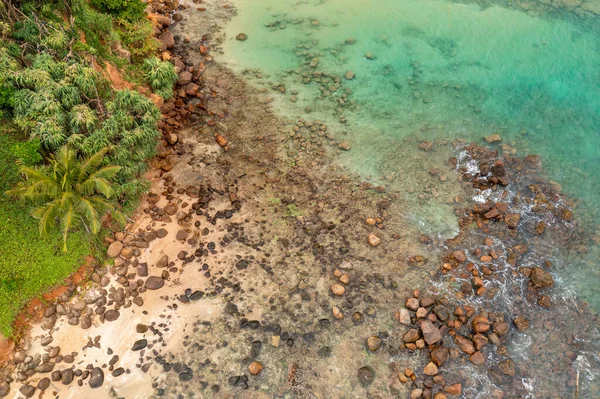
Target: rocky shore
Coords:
[(256, 267)]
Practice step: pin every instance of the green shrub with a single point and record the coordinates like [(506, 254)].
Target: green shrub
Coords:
[(130, 10), (59, 103), (138, 37), (161, 76)]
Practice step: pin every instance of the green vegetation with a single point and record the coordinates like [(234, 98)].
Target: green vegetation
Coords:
[(161, 76), (130, 10), (60, 120), (70, 193), (29, 264)]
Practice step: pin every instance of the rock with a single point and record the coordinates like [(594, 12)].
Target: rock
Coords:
[(4, 389), (43, 384), (241, 37), (411, 335), (181, 235), (521, 323), (141, 328), (431, 369), (416, 393), (114, 249), (366, 375), (255, 368), (67, 376), (369, 56), (477, 358), (439, 355), (118, 371), (337, 289), (403, 316), (154, 283), (512, 220), (454, 389), (139, 345), (508, 367), (412, 304), (86, 322), (221, 140), (460, 256), (541, 278), (493, 138), (431, 333), (374, 240), (186, 375), (163, 262), (27, 390), (349, 75), (111, 315), (465, 344), (167, 41), (96, 377), (374, 343), (337, 313), (183, 78)]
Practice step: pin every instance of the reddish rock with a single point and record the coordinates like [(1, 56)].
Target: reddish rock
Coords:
[(430, 369), (459, 255), (521, 323), (454, 389), (411, 335), (440, 355), (431, 333), (464, 344), (541, 278), (412, 304)]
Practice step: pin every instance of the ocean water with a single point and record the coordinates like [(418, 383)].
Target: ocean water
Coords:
[(437, 70)]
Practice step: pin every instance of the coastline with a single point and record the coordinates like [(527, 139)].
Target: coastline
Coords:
[(234, 153)]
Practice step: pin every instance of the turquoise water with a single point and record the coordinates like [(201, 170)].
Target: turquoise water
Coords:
[(435, 70)]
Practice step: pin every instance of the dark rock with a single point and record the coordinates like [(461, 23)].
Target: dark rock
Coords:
[(118, 371), (96, 377), (139, 345), (196, 295), (4, 389), (241, 37), (111, 315), (27, 390), (67, 376), (43, 384), (366, 375)]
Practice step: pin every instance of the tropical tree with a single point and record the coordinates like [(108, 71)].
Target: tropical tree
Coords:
[(70, 192)]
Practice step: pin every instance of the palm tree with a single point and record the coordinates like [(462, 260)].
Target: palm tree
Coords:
[(70, 192)]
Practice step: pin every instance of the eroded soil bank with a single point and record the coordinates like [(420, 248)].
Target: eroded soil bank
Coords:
[(250, 274)]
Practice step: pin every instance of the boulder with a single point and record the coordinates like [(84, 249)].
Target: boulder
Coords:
[(167, 41), (114, 249), (430, 332)]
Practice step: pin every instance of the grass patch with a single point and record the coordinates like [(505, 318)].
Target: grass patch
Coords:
[(29, 264)]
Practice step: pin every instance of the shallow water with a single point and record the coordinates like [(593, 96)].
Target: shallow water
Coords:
[(437, 70)]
